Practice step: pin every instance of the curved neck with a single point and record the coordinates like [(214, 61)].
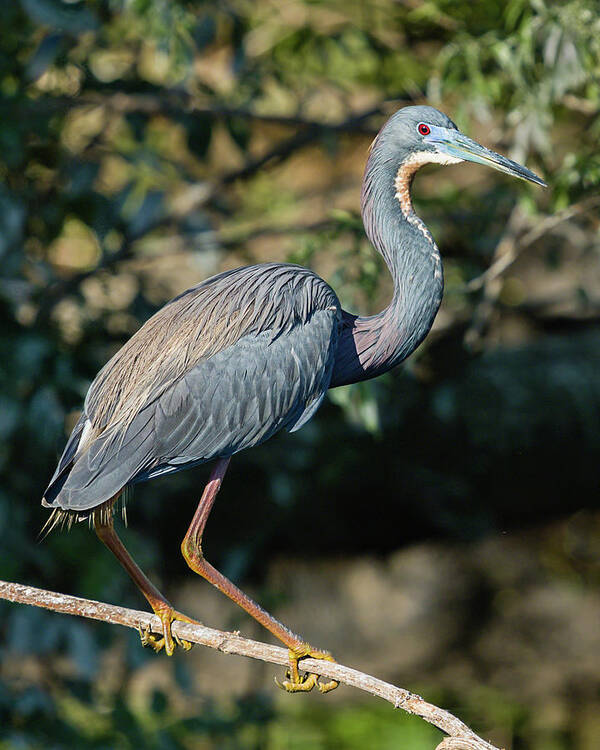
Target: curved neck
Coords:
[(369, 346)]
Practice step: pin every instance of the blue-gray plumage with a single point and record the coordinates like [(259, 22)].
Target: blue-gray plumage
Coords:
[(249, 352), (220, 368)]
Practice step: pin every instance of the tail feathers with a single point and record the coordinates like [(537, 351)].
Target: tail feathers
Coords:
[(93, 471), (54, 488), (66, 462), (60, 518), (95, 468)]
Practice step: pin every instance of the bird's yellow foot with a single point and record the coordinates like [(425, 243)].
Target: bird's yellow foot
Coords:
[(303, 683), (166, 639)]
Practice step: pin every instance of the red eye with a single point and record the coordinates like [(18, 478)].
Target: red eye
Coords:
[(423, 129)]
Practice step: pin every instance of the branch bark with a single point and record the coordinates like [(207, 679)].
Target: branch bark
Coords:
[(510, 248), (513, 242), (460, 737)]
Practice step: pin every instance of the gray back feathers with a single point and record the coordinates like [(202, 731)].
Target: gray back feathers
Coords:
[(202, 321), (220, 368)]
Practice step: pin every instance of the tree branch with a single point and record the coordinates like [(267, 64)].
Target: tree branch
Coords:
[(460, 737), (509, 248)]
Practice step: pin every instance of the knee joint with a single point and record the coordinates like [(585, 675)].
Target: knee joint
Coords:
[(191, 551)]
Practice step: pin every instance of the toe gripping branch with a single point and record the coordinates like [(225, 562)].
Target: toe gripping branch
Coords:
[(166, 639), (303, 683)]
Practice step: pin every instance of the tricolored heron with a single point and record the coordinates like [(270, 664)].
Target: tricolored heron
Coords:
[(248, 352)]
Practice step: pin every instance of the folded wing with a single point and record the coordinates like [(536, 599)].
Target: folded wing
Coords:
[(220, 368)]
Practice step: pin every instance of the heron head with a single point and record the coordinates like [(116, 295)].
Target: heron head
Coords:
[(428, 135)]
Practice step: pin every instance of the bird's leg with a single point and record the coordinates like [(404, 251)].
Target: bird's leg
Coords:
[(103, 524), (191, 548)]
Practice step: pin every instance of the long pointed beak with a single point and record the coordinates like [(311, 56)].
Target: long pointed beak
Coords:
[(459, 146)]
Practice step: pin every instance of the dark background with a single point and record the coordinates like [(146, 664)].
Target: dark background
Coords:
[(438, 527)]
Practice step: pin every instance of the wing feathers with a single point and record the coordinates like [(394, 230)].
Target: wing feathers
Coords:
[(218, 369)]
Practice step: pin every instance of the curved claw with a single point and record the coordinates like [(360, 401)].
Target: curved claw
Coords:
[(183, 644), (166, 639), (325, 687), (304, 683), (150, 639)]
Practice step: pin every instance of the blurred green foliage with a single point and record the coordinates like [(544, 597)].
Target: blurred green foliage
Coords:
[(145, 144)]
